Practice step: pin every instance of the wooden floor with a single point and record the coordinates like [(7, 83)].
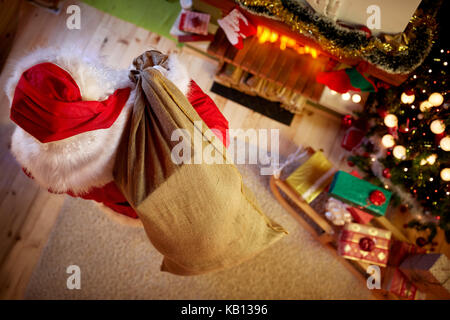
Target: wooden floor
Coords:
[(28, 212)]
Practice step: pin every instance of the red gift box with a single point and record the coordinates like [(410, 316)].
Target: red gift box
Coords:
[(195, 37), (429, 272), (395, 282), (364, 243), (400, 250), (194, 22), (358, 215)]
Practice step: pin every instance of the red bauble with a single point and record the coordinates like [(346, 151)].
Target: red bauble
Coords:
[(409, 92), (347, 121), (387, 173), (377, 197), (382, 112), (403, 129), (350, 163), (367, 31), (366, 244), (421, 241), (383, 85)]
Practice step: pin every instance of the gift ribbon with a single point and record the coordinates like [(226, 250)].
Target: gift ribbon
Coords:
[(318, 183)]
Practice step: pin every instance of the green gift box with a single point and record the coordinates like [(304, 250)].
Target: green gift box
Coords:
[(358, 193)]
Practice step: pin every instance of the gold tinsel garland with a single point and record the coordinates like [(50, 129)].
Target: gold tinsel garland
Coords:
[(276, 8)]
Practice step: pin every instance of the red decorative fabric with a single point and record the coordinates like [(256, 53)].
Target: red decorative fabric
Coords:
[(110, 196), (48, 105), (338, 81), (209, 112), (237, 27)]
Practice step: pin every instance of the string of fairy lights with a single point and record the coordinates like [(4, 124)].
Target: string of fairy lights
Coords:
[(437, 126)]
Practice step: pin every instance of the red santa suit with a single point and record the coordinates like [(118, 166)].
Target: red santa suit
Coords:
[(71, 111)]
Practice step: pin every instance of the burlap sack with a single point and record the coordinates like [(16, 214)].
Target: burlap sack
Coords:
[(199, 216)]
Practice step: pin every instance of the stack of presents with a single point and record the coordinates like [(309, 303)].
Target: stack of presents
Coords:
[(408, 271)]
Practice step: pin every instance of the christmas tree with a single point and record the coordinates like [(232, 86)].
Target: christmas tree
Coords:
[(407, 144)]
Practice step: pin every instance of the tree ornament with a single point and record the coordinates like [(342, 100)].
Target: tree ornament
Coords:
[(337, 212), (347, 121), (387, 173), (382, 112), (437, 126), (377, 197), (350, 163), (399, 152), (431, 159), (388, 141), (425, 106), (436, 99), (445, 174), (421, 241), (404, 128), (391, 121), (407, 97), (445, 143), (366, 244)]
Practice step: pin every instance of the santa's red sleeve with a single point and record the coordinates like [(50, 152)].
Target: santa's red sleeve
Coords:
[(209, 112)]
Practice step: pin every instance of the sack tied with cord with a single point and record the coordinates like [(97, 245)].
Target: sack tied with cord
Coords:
[(201, 217)]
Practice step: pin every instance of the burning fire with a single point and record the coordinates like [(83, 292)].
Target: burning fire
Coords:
[(264, 34)]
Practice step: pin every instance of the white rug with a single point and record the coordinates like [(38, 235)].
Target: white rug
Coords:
[(118, 262)]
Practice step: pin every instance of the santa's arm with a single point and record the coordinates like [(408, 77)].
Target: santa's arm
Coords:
[(209, 112)]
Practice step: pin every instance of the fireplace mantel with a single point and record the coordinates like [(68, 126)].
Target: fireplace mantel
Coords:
[(227, 5)]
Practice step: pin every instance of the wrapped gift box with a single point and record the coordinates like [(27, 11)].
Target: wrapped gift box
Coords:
[(364, 243), (429, 272), (400, 250), (194, 22), (395, 282), (358, 192), (312, 177), (360, 216)]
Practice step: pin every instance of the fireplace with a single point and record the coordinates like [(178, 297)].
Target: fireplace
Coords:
[(271, 66)]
